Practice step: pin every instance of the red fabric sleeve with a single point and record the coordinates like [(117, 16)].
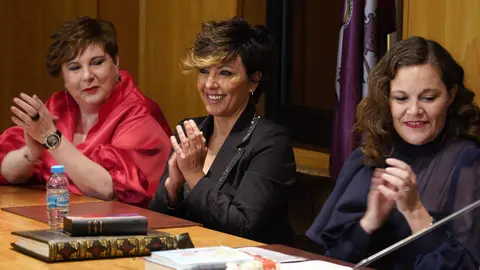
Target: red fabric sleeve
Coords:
[(135, 158), (11, 139)]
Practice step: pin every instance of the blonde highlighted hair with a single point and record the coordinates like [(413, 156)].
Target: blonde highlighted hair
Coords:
[(222, 41)]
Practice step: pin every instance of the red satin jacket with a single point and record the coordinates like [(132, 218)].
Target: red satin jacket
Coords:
[(130, 140)]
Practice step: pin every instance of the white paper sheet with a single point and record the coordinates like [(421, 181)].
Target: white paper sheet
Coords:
[(313, 265), (271, 255)]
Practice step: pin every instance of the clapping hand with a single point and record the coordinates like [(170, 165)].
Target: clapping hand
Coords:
[(175, 180), (395, 184), (31, 114), (379, 206), (190, 152), (402, 186)]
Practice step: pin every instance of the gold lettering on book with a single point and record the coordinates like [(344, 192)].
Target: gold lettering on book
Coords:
[(101, 226), (95, 229)]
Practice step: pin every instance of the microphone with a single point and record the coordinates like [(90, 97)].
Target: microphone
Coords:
[(401, 243)]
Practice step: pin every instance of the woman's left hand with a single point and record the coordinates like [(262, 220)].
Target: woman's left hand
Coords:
[(191, 152), (401, 186), (31, 114)]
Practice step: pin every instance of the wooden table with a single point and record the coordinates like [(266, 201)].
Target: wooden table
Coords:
[(23, 196)]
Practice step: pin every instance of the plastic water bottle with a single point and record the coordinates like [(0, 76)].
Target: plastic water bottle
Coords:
[(58, 197)]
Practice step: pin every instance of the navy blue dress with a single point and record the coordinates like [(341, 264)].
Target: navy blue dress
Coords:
[(448, 180)]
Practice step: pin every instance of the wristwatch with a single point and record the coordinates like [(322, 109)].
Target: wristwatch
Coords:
[(52, 140)]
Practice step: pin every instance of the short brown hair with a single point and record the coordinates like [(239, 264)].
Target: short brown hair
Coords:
[(374, 118), (224, 40), (73, 37)]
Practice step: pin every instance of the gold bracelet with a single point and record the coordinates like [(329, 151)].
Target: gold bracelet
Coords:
[(432, 220)]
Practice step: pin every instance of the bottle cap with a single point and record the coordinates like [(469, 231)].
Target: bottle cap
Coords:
[(57, 169)]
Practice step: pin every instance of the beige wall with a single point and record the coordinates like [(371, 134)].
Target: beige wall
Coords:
[(454, 24)]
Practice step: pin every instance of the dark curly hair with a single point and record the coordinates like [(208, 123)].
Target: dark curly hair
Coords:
[(374, 118), (223, 40), (73, 37)]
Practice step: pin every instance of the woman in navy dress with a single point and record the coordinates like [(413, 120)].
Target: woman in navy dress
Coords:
[(419, 162)]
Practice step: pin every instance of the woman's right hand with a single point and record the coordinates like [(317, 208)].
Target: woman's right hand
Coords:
[(34, 148), (378, 206), (175, 180)]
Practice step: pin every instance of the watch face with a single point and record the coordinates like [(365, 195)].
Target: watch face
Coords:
[(52, 140)]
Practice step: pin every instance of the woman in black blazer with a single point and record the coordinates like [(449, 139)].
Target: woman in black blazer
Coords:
[(232, 170)]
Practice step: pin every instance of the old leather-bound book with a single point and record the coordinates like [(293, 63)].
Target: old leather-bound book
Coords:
[(90, 225), (54, 245)]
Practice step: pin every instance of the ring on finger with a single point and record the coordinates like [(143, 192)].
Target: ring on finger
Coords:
[(406, 189), (35, 117)]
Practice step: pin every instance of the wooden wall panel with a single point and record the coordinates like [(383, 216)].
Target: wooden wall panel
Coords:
[(167, 28), (25, 27), (322, 28), (255, 12), (124, 14), (454, 24), (152, 37)]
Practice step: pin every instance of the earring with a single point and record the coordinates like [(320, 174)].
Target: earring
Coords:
[(251, 92), (119, 79)]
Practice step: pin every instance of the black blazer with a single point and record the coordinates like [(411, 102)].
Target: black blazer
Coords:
[(245, 191)]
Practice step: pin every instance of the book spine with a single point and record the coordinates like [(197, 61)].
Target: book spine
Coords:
[(106, 226), (110, 247)]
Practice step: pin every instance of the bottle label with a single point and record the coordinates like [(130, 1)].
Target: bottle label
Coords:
[(51, 201), (63, 200), (58, 200)]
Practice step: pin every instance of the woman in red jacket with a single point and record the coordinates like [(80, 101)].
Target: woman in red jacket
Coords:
[(112, 140)]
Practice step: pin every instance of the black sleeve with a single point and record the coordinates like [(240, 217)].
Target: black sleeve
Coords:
[(262, 191), (159, 202)]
